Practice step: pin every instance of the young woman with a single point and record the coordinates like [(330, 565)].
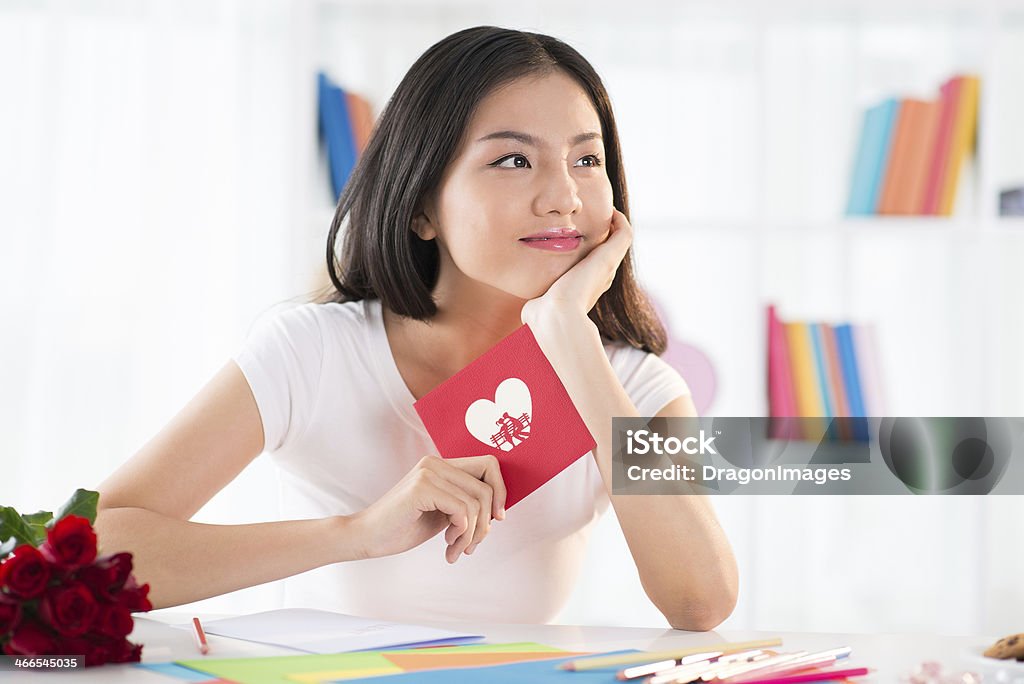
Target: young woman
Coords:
[(491, 194)]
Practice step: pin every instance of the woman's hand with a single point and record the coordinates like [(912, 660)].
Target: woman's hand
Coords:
[(576, 292), (462, 494)]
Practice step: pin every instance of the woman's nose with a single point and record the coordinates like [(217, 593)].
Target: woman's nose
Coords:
[(557, 192)]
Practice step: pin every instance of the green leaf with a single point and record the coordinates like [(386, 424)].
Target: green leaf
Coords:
[(40, 518), (13, 525), (83, 502), (7, 547)]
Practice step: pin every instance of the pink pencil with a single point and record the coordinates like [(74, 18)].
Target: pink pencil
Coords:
[(810, 677)]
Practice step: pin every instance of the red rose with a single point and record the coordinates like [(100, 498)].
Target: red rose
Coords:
[(10, 613), (70, 543), (30, 639), (69, 608), (25, 572), (107, 575), (124, 651), (114, 621), (134, 597)]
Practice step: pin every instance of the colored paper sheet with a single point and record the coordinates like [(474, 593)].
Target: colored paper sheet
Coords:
[(416, 662), (538, 672), (322, 631), (180, 673), (284, 669)]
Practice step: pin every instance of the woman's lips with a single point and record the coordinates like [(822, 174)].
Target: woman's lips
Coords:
[(554, 244), (554, 240)]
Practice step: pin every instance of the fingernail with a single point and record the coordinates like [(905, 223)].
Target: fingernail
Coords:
[(501, 513), (470, 549)]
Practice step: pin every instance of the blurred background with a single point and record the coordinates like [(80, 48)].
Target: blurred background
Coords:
[(163, 184)]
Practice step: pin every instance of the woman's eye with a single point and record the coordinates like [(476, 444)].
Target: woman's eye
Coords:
[(516, 159), (594, 160)]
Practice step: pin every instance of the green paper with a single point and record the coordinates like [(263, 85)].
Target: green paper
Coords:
[(275, 669)]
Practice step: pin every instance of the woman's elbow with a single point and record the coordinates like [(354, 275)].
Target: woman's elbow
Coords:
[(705, 614), (703, 617)]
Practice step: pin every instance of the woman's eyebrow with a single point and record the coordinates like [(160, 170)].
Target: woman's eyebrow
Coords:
[(527, 139)]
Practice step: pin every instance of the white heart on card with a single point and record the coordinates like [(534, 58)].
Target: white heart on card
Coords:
[(505, 422)]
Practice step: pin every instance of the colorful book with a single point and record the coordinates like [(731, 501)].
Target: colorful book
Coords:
[(905, 174), (851, 377), (923, 133), (808, 392), (961, 141), (509, 403), (872, 158), (866, 342), (821, 373), (949, 98), (781, 394), (336, 127), (837, 387), (362, 120)]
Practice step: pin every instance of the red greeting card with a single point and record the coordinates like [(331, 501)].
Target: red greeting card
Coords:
[(509, 403)]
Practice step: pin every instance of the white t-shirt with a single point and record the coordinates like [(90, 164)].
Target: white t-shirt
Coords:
[(339, 421)]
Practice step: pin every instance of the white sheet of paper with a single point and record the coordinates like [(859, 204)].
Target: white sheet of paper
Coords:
[(321, 631)]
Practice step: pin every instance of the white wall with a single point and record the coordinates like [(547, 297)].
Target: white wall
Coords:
[(159, 190)]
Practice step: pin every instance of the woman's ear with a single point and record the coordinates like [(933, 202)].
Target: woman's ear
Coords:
[(423, 226)]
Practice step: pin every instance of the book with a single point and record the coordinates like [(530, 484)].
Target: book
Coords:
[(336, 127), (872, 158), (362, 120), (509, 403), (808, 392), (836, 386), (851, 378), (949, 97), (905, 174), (961, 141), (781, 393)]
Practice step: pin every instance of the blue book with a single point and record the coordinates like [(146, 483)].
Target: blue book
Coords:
[(336, 128), (851, 377), (821, 362), (872, 158)]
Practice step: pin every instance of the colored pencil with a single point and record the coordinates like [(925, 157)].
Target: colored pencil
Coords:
[(595, 662)]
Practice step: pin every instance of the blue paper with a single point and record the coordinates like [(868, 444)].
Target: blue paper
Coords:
[(185, 674), (537, 672)]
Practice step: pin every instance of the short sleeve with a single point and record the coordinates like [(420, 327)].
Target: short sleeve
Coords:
[(281, 360), (650, 382)]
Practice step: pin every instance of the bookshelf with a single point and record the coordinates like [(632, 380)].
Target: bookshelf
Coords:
[(765, 168)]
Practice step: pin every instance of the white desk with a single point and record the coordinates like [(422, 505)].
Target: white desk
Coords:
[(891, 655)]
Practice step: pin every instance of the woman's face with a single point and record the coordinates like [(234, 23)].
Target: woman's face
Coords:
[(526, 196)]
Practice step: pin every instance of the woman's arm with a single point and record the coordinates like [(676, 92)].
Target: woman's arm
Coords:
[(683, 557), (146, 504)]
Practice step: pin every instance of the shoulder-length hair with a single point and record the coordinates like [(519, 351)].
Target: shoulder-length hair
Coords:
[(417, 135)]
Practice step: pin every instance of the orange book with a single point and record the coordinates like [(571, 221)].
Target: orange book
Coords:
[(923, 137), (361, 117), (903, 182), (894, 175), (965, 126)]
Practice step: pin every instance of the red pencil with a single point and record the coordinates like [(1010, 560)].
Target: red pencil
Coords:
[(200, 635)]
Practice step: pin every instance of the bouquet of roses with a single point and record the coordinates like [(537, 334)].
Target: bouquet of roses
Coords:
[(56, 596)]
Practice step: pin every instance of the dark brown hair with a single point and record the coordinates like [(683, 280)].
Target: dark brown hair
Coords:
[(414, 140)]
